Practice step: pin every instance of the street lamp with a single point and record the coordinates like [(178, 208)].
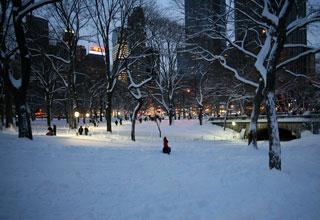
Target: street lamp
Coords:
[(233, 124), (87, 115), (189, 115), (76, 114)]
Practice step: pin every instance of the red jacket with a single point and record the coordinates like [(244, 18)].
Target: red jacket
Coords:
[(165, 143)]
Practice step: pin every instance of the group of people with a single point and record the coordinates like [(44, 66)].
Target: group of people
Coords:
[(53, 132), (80, 130)]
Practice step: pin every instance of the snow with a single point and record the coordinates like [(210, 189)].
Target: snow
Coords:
[(266, 13), (259, 64), (209, 175), (15, 82)]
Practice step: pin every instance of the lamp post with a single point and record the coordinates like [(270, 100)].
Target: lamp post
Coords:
[(189, 116), (84, 117), (233, 124), (76, 114)]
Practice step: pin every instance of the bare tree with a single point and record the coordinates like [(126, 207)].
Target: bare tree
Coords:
[(167, 38), (105, 14), (70, 17), (273, 22), (46, 76), (8, 47), (135, 91), (19, 85)]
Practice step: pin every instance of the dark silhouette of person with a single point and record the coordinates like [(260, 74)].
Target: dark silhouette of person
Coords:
[(166, 149), (120, 121), (116, 122), (80, 130), (86, 130), (54, 130)]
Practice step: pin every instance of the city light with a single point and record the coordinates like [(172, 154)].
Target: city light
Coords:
[(76, 114)]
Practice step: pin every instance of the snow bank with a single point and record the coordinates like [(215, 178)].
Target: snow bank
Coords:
[(107, 176)]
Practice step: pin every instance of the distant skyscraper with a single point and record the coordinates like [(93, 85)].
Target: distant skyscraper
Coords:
[(136, 27), (200, 18), (298, 37), (38, 30)]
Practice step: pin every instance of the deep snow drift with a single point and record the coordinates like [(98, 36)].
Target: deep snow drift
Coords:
[(211, 174)]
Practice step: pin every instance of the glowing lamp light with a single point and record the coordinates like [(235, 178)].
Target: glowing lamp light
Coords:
[(188, 90), (76, 114), (87, 115), (233, 123)]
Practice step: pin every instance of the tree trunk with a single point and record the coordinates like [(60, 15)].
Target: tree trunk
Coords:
[(273, 130), (253, 129), (101, 109), (200, 114), (226, 116), (20, 92), (1, 111), (109, 111), (158, 126), (135, 113), (23, 115), (171, 114), (70, 110), (8, 108), (66, 112), (48, 109)]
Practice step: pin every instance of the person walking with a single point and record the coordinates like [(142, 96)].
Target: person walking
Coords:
[(54, 130), (80, 130), (166, 149)]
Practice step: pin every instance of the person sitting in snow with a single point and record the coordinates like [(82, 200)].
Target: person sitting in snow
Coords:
[(166, 149), (50, 132)]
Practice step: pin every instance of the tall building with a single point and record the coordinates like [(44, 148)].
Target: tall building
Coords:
[(38, 30), (120, 49), (200, 19), (137, 44), (136, 28), (297, 37)]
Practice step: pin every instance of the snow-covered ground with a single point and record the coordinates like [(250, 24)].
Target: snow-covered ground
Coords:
[(211, 174)]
